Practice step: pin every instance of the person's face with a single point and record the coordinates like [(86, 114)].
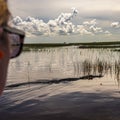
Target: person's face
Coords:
[(11, 42), (4, 58)]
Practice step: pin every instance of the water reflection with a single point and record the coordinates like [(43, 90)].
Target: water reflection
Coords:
[(64, 62)]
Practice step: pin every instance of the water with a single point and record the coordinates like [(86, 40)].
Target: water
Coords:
[(64, 62), (63, 83)]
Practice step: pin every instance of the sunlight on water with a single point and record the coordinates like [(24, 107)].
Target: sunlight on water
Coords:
[(64, 62)]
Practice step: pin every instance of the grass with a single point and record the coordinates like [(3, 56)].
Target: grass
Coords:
[(36, 46)]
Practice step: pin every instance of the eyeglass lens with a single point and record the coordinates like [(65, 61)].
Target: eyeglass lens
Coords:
[(15, 45)]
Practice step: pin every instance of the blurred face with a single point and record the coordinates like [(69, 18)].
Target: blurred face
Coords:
[(11, 42), (4, 58)]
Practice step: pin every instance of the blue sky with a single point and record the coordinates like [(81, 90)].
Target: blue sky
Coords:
[(55, 21)]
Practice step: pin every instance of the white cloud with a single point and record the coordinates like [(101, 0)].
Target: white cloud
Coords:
[(90, 27), (92, 22), (82, 30), (62, 25), (95, 29), (107, 33), (115, 25), (17, 20)]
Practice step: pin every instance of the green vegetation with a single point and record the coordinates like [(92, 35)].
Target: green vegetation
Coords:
[(28, 47), (115, 44), (37, 46)]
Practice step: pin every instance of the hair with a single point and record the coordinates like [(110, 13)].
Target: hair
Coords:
[(4, 13), (4, 17)]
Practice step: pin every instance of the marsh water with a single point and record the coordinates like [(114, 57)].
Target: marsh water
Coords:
[(63, 83), (64, 63)]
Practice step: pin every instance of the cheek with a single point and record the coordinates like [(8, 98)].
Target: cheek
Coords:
[(1, 54), (4, 60), (4, 53), (3, 70), (6, 47)]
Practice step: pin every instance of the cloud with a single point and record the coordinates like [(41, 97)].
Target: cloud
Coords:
[(83, 30), (95, 29), (108, 33), (17, 20), (90, 27), (92, 22), (115, 25), (62, 25)]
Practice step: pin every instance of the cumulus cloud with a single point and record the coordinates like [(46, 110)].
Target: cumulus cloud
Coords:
[(115, 25), (108, 33), (62, 25), (95, 29), (17, 20), (89, 27), (82, 30), (92, 22)]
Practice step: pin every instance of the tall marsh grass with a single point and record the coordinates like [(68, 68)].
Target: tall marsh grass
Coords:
[(65, 62)]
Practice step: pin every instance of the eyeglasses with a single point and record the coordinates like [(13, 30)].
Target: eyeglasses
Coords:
[(16, 40)]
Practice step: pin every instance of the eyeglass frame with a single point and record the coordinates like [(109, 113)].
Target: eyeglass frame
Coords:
[(21, 34)]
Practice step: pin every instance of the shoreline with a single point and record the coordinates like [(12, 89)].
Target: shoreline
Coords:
[(91, 45)]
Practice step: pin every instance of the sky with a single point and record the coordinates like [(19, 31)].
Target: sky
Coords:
[(67, 20)]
